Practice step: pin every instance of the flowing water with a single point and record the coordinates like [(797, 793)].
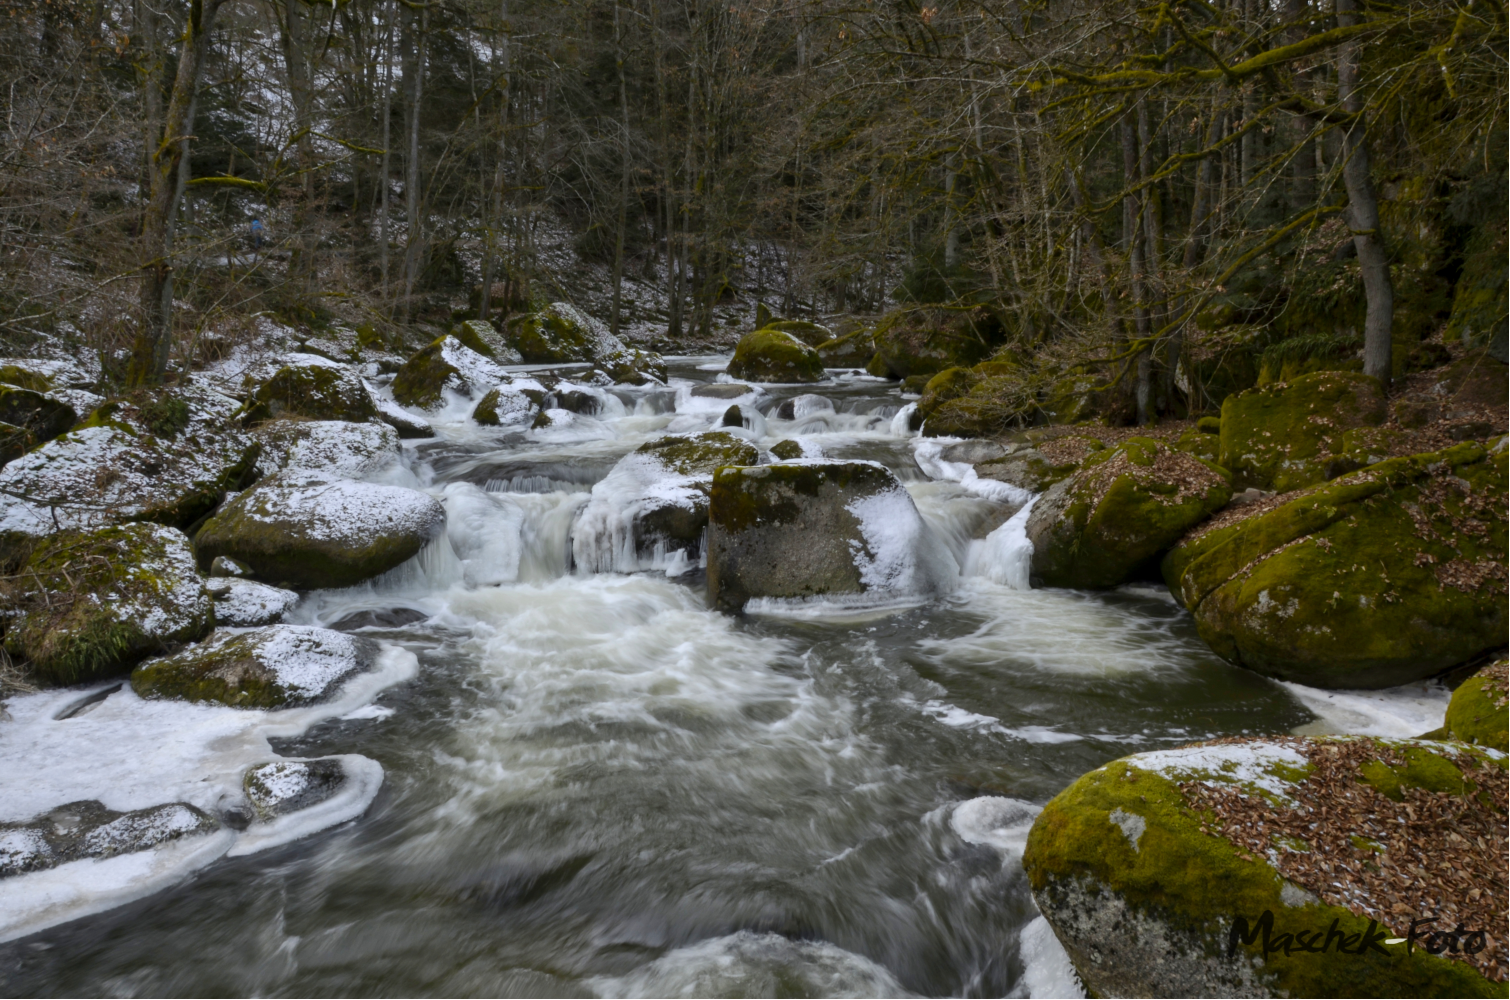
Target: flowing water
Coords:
[(596, 786)]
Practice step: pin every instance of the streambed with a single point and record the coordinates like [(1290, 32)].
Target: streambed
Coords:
[(593, 785)]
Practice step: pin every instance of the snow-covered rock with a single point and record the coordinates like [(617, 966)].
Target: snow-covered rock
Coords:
[(87, 829), (332, 447), (247, 603), (271, 667)]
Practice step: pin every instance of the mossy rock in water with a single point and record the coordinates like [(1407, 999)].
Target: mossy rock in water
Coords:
[(810, 530), (42, 415), (1035, 469), (93, 603), (1385, 576), (700, 454), (853, 350), (1125, 507), (276, 666), (1288, 435), (480, 336), (306, 531), (787, 450), (560, 333), (810, 333), (444, 364), (1192, 872), (774, 356), (983, 401), (635, 367), (1477, 712), (929, 339), (312, 391)]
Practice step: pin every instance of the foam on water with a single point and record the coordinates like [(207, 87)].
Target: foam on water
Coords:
[(1408, 710)]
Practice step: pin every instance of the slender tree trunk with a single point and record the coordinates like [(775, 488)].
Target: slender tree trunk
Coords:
[(495, 210), (149, 352), (1133, 228), (296, 54), (384, 170), (618, 248), (414, 247), (1363, 209)]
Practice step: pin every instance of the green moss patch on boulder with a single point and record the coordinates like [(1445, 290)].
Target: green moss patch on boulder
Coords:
[(810, 333), (929, 339), (41, 414), (561, 333), (90, 604), (1477, 712), (1035, 469), (1288, 435), (480, 336), (276, 666), (446, 363), (1123, 508), (700, 454), (810, 529), (852, 350), (1275, 867), (306, 531), (314, 392), (1382, 577), (774, 356)]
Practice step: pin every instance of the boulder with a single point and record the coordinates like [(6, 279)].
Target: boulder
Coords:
[(811, 334), (853, 350), (801, 407), (929, 339), (656, 496), (87, 829), (1474, 379), (561, 333), (774, 356), (1279, 866), (634, 367), (722, 390), (480, 336), (1122, 509), (1288, 435), (501, 406), (42, 414), (331, 447), (988, 399), (314, 391), (91, 603), (245, 603), (445, 364), (400, 419), (1382, 577), (167, 455), (811, 529), (1477, 713), (277, 666), (1035, 469), (1198, 443), (308, 530), (45, 374), (286, 786)]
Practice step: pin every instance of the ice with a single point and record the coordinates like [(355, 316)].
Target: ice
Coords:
[(995, 821), (1047, 971), (900, 554), (1408, 710), (1005, 556), (927, 452)]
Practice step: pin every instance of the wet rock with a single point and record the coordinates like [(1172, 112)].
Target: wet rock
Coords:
[(634, 367), (787, 450), (561, 333), (1188, 872), (87, 829), (225, 566), (445, 364), (286, 786), (502, 406), (774, 356), (307, 530), (1080, 396), (276, 666), (329, 447), (92, 603), (722, 390), (801, 407), (988, 399), (926, 340), (1382, 577), (852, 350), (1125, 507), (1289, 435), (973, 451), (654, 497), (811, 529), (1477, 711), (245, 603), (315, 390), (733, 417)]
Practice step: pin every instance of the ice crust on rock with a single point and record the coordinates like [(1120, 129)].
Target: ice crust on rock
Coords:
[(339, 510), (247, 603), (340, 448), (1255, 766), (898, 555), (604, 535)]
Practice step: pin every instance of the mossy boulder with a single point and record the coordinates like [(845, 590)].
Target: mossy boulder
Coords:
[(314, 392), (1199, 443), (1479, 303), (561, 333), (307, 530), (774, 356), (246, 603), (654, 501), (90, 604), (1477, 712), (852, 350), (926, 340), (810, 333), (277, 666), (988, 399), (1474, 379), (1035, 469), (1274, 867), (41, 414), (1124, 508), (1288, 435), (445, 364), (1385, 576), (813, 529), (634, 367), (501, 406), (331, 447), (480, 336)]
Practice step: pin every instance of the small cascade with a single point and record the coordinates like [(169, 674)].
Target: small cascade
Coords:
[(1005, 556)]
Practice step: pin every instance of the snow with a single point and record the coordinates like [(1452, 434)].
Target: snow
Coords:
[(1252, 765), (242, 602), (306, 661), (341, 510)]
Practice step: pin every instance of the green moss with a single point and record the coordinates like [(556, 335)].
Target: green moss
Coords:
[(316, 392), (1209, 425), (42, 415), (551, 337), (1197, 883), (774, 356), (420, 381), (853, 350), (635, 367), (486, 410), (476, 334), (1197, 443), (743, 497), (1286, 436), (929, 339), (1477, 712), (1422, 769), (12, 374), (230, 669), (786, 450), (165, 416), (811, 334), (701, 454), (951, 383)]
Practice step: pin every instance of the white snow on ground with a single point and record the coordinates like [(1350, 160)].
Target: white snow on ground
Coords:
[(129, 753)]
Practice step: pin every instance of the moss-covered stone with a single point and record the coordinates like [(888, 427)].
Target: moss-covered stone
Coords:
[(42, 415), (1209, 425), (634, 367), (810, 333), (1124, 507), (929, 339), (1384, 576), (15, 442), (92, 603), (787, 450), (312, 391), (852, 350), (307, 531), (1477, 712), (1479, 304), (480, 336), (1073, 399), (328, 447), (444, 364), (700, 454), (1198, 443), (774, 356), (560, 333), (1138, 868), (486, 410), (276, 666), (1288, 435)]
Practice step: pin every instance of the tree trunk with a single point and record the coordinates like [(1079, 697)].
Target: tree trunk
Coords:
[(618, 248), (495, 210), (386, 179), (414, 83), (1363, 210), (149, 352), (1133, 228), (296, 54)]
